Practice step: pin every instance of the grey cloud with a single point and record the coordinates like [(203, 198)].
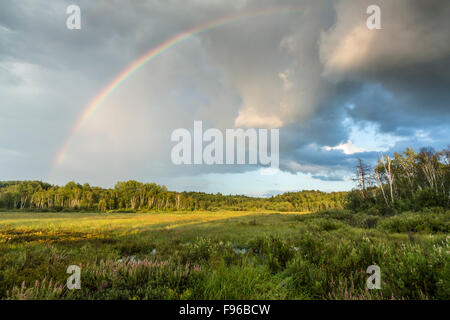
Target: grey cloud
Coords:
[(273, 70), (404, 67), (329, 178)]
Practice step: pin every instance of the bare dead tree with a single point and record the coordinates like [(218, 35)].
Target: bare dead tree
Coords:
[(363, 177), (377, 175), (386, 161)]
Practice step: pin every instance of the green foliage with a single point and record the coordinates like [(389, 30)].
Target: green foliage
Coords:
[(236, 282), (424, 222), (279, 256), (132, 196), (276, 251), (408, 181)]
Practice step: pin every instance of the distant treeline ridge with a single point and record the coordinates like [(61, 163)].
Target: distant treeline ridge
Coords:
[(133, 195)]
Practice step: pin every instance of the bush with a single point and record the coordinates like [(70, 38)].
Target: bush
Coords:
[(427, 198), (276, 251), (416, 222)]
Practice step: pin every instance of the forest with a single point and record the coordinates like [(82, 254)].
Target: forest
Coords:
[(407, 181), (134, 196)]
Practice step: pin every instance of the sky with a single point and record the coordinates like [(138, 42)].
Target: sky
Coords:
[(336, 89)]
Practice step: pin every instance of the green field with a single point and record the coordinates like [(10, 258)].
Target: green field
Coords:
[(224, 255)]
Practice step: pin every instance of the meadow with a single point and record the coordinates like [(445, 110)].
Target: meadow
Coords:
[(224, 255)]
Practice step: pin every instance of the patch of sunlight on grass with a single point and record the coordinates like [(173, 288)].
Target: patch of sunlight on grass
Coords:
[(32, 226)]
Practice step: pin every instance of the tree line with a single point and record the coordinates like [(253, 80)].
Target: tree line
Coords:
[(407, 181), (133, 195)]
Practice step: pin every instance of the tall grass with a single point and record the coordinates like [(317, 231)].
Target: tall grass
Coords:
[(225, 255)]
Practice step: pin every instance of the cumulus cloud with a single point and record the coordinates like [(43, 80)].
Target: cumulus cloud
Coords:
[(348, 148), (403, 68), (413, 33)]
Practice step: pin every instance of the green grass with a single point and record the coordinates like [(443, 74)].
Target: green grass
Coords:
[(224, 255)]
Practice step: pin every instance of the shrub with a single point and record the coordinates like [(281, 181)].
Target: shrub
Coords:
[(416, 222)]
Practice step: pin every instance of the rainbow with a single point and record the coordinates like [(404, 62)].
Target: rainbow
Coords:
[(149, 56)]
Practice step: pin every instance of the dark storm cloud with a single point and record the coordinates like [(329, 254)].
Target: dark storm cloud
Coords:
[(309, 72), (406, 70)]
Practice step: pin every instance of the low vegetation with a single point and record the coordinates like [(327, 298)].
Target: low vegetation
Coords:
[(224, 255)]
